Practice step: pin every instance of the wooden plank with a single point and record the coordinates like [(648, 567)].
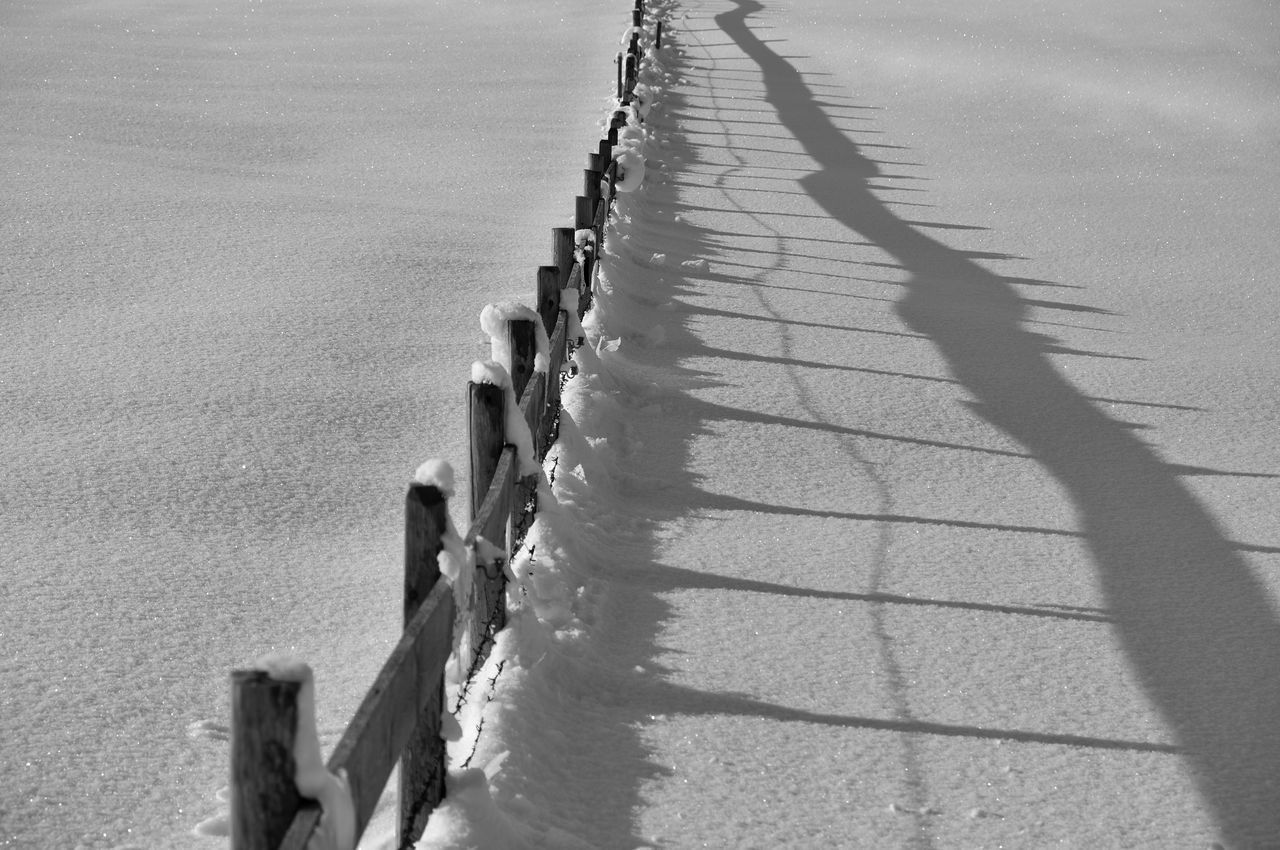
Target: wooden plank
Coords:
[(491, 523), (423, 762), (264, 723), (304, 823), (558, 344), (404, 689), (578, 281), (496, 502), (559, 353), (532, 405)]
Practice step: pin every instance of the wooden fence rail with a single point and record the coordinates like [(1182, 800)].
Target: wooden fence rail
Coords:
[(399, 720)]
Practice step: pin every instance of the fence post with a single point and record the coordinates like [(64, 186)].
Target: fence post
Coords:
[(264, 723), (583, 212), (562, 252), (521, 336), (422, 765), (632, 63), (424, 524), (486, 406), (548, 297), (591, 186)]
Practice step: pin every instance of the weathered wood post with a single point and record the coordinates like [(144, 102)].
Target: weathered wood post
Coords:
[(264, 724), (422, 765), (486, 412), (591, 187), (633, 61), (562, 252), (583, 212), (522, 339), (548, 297)]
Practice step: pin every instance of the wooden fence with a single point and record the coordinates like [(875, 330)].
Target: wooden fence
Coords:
[(399, 719)]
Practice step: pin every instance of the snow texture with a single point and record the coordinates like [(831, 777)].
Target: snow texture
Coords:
[(238, 280), (630, 168), (852, 540), (629, 154), (932, 474)]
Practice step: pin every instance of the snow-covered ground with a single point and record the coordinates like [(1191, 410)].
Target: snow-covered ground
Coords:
[(243, 251), (921, 488), (918, 490)]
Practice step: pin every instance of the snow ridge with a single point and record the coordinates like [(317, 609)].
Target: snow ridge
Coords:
[(553, 598)]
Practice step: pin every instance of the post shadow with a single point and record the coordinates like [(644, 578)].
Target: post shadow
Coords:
[(1196, 626)]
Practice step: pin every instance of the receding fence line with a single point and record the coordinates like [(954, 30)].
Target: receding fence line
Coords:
[(399, 719)]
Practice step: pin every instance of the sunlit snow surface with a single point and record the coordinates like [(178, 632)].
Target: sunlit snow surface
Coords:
[(919, 481), (825, 566), (243, 251)]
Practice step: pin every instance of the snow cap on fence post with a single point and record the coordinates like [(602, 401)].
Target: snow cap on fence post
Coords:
[(436, 473), (493, 321)]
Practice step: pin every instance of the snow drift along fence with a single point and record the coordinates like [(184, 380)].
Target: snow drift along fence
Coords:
[(399, 721)]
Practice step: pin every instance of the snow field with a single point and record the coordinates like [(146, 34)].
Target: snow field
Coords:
[(240, 263), (882, 318)]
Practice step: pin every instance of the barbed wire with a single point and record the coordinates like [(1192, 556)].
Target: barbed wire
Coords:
[(493, 689)]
